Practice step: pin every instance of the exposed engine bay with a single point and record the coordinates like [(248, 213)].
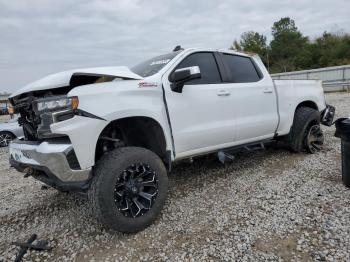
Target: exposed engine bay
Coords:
[(30, 119), (35, 121)]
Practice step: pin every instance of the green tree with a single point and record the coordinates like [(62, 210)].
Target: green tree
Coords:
[(287, 45), (284, 25), (236, 46), (333, 49), (289, 50)]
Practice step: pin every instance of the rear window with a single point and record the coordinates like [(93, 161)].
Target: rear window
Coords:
[(241, 69)]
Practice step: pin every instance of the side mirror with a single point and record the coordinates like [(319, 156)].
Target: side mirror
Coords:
[(180, 76)]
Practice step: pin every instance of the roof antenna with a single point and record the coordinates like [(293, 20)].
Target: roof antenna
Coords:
[(178, 48)]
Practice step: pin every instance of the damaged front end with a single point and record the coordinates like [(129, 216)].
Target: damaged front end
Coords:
[(45, 153), (45, 101), (37, 112)]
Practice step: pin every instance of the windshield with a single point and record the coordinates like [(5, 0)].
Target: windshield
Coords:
[(153, 65)]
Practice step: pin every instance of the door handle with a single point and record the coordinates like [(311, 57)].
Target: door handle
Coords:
[(267, 91), (223, 93)]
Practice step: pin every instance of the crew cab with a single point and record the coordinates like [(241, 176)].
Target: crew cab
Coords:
[(113, 132)]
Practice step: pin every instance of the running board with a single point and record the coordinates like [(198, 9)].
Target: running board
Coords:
[(254, 147), (226, 155)]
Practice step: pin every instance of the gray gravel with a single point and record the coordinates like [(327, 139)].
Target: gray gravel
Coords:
[(267, 205)]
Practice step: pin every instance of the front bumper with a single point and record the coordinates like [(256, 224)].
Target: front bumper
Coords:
[(52, 159), (327, 115)]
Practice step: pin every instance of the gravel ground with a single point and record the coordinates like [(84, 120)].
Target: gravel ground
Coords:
[(266, 205)]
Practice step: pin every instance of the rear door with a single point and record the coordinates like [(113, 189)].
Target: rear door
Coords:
[(201, 116), (253, 99)]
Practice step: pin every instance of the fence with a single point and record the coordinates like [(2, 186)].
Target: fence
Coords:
[(336, 78)]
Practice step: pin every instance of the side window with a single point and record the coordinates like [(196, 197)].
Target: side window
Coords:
[(241, 69), (207, 65)]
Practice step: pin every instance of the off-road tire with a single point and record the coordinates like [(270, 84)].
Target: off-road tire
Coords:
[(102, 191), (304, 119)]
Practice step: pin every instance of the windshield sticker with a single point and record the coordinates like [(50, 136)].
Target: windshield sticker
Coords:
[(160, 62)]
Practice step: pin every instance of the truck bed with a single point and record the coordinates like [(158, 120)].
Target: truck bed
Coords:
[(291, 93)]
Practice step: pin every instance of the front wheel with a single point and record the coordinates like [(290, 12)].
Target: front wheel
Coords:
[(129, 189)]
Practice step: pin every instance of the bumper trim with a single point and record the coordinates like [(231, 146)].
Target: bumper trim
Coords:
[(51, 156), (44, 175), (327, 115)]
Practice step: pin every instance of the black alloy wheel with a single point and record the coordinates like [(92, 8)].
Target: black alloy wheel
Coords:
[(128, 189), (136, 190)]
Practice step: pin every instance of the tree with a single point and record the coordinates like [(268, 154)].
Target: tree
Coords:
[(287, 45), (289, 50), (236, 46), (333, 49), (284, 25)]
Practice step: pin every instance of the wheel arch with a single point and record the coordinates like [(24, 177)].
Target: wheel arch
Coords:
[(307, 103), (287, 114), (8, 131), (140, 131)]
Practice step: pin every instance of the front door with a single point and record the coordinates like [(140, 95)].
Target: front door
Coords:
[(201, 115)]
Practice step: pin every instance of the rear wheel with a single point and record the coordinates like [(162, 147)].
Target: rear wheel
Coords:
[(306, 133), (5, 138), (129, 189), (314, 139)]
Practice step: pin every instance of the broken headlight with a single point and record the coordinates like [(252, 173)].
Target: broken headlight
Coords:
[(57, 103)]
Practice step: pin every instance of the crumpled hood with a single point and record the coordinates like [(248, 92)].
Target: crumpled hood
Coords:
[(64, 78)]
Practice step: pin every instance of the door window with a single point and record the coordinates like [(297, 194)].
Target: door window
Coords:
[(207, 65), (241, 69)]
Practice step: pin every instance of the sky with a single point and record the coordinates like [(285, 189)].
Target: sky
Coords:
[(40, 37)]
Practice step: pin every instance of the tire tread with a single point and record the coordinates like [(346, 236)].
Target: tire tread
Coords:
[(303, 116), (106, 165)]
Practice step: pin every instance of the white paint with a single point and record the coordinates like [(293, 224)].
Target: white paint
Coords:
[(62, 79), (204, 118)]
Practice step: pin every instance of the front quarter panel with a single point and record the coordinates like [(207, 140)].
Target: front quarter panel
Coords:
[(111, 101), (83, 133)]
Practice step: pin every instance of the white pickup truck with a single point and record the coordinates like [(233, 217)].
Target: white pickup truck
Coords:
[(113, 132)]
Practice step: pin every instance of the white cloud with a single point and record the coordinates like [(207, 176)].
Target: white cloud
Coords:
[(42, 36)]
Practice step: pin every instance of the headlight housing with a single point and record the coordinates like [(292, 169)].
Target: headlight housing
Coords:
[(57, 103)]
